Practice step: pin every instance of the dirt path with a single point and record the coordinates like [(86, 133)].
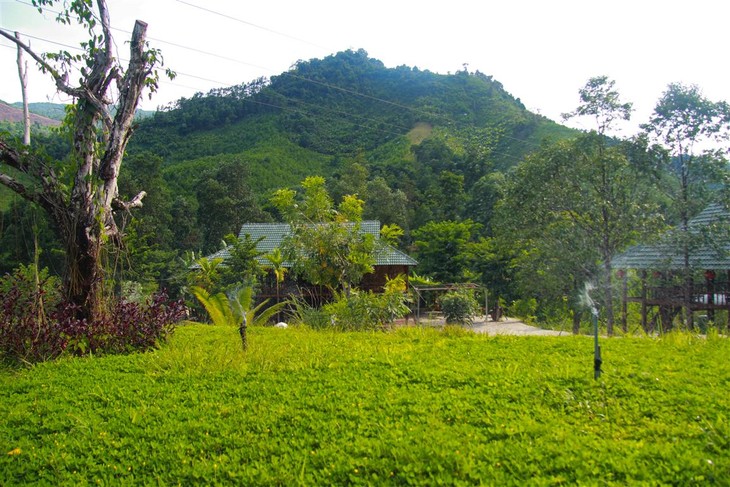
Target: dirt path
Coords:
[(506, 326)]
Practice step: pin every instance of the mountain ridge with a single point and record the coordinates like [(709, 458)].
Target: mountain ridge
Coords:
[(13, 114)]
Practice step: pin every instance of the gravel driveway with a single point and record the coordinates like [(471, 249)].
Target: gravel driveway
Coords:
[(510, 326)]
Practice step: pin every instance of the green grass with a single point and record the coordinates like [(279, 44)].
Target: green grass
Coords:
[(407, 407)]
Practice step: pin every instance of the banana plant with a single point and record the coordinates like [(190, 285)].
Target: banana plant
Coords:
[(236, 309)]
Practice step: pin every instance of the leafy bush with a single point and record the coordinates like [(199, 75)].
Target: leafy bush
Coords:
[(23, 279), (361, 310), (237, 309), (366, 310), (525, 309), (34, 329), (303, 313), (128, 327), (459, 306)]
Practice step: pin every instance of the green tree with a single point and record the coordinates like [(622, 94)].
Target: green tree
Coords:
[(691, 128), (80, 195), (277, 260), (585, 192), (386, 205), (482, 199), (23, 227), (453, 198), (326, 245), (600, 100), (537, 263), (225, 202), (353, 179), (186, 231), (206, 275), (442, 249), (242, 266), (578, 199), (149, 244)]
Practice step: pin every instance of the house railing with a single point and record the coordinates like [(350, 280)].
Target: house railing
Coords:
[(702, 296)]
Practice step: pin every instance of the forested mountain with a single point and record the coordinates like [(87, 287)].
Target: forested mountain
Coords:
[(43, 113), (415, 145), (13, 114), (344, 104)]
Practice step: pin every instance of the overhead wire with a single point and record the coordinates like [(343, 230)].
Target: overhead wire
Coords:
[(258, 102), (303, 78), (321, 83), (251, 24)]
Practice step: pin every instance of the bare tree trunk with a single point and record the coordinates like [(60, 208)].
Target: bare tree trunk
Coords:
[(84, 219), (577, 316), (608, 269), (23, 74)]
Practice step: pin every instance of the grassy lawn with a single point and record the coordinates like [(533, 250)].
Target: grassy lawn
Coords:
[(407, 407)]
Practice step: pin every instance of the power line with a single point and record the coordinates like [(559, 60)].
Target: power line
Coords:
[(285, 108), (75, 48), (303, 78), (251, 24), (328, 85)]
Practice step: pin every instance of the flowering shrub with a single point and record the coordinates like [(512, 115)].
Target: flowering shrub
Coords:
[(30, 333)]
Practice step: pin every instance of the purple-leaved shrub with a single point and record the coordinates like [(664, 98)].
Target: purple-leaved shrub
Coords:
[(31, 332)]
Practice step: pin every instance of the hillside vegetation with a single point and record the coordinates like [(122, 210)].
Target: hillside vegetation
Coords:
[(423, 139), (347, 103), (414, 145), (413, 407), (14, 114)]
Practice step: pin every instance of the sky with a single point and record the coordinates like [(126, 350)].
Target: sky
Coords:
[(541, 51)]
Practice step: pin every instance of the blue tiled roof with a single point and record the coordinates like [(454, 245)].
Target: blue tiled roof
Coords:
[(664, 255)]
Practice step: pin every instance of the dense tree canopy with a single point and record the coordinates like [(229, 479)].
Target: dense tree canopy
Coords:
[(684, 122)]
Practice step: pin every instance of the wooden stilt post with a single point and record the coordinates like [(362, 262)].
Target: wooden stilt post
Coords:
[(623, 275), (710, 290), (644, 321)]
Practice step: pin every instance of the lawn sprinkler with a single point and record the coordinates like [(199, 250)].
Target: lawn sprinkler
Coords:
[(590, 304), (596, 347)]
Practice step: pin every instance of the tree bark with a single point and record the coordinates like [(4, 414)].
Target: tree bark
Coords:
[(84, 218), (577, 316)]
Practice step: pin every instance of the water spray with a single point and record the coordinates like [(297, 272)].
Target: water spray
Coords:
[(588, 302)]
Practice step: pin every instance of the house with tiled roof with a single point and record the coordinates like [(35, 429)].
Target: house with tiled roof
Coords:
[(659, 267), (389, 261), (663, 255)]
